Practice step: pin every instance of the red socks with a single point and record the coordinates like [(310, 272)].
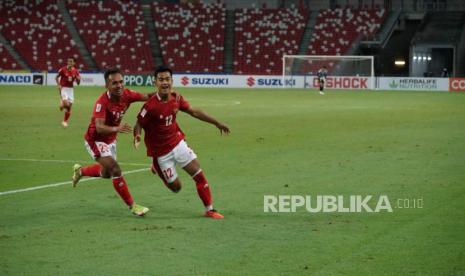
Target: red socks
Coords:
[(203, 189), (67, 114), (118, 182), (92, 170), (122, 188)]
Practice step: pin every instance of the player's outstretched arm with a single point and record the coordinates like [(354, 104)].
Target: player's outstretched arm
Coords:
[(57, 79), (137, 132), (104, 129), (201, 115)]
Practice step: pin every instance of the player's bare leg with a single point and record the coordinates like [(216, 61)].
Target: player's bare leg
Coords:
[(192, 167), (110, 168), (94, 170), (203, 190), (175, 186), (61, 105), (67, 107)]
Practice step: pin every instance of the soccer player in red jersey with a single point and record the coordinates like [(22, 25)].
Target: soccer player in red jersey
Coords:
[(65, 79), (100, 138), (165, 140)]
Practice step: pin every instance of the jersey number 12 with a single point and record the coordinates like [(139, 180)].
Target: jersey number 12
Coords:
[(168, 120)]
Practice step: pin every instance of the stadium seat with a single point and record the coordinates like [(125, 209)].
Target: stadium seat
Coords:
[(263, 36), (37, 32), (114, 29), (191, 36), (336, 30), (7, 62)]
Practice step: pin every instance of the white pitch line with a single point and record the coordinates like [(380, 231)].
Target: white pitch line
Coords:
[(64, 161), (61, 184)]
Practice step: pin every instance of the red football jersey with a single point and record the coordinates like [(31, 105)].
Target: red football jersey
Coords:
[(67, 77), (158, 119), (112, 112)]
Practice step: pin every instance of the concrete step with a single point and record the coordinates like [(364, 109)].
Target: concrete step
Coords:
[(307, 36), (17, 57), (81, 46), (228, 66), (153, 37)]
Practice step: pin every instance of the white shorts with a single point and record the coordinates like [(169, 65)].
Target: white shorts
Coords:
[(101, 149), (67, 94), (181, 155)]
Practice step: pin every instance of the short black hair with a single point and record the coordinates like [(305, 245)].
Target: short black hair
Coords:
[(161, 69), (73, 58), (111, 71)]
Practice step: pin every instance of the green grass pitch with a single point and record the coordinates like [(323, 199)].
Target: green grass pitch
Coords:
[(406, 145)]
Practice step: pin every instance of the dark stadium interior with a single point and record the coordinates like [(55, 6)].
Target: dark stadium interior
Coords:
[(232, 37)]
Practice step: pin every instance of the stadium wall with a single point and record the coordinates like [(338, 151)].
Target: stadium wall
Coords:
[(251, 81), (86, 79)]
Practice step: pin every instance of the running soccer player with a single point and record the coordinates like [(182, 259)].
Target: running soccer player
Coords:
[(100, 138), (322, 74), (65, 79), (165, 140)]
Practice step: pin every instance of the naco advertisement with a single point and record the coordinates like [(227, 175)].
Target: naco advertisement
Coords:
[(21, 79)]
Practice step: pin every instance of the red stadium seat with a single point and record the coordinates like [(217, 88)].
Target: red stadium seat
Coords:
[(115, 34), (191, 36), (38, 33), (263, 36), (7, 62), (336, 30)]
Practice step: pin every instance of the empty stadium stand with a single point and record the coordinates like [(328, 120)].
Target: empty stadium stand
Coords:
[(336, 31), (263, 36), (191, 36), (7, 62), (37, 32), (115, 34)]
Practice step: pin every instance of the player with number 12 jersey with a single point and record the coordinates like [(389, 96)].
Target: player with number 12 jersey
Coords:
[(165, 140)]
